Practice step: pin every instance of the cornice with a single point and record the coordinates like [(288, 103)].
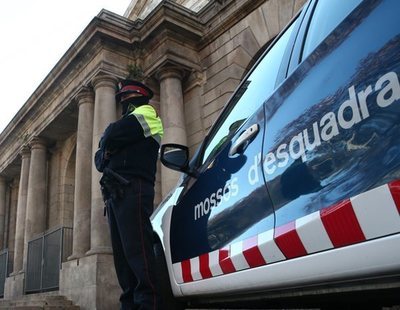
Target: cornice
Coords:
[(169, 15), (118, 21)]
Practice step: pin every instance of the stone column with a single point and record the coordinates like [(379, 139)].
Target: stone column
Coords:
[(3, 191), (11, 216), (173, 118), (21, 210), (105, 112), (83, 172), (35, 221)]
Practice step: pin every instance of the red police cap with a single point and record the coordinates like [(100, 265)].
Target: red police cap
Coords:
[(131, 86)]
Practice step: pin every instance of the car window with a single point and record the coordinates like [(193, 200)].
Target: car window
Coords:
[(326, 17), (250, 96)]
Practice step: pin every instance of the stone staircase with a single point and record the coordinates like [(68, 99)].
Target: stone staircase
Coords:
[(38, 302)]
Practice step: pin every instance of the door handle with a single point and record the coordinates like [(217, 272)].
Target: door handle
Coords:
[(244, 139)]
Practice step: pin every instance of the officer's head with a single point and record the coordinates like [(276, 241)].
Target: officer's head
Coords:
[(132, 94)]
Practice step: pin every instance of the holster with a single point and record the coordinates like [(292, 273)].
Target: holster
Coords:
[(111, 188)]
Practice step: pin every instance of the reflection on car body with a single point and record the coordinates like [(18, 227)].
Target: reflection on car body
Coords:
[(316, 185)]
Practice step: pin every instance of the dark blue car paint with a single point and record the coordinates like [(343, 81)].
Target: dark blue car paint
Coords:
[(357, 159), (365, 47), (227, 221)]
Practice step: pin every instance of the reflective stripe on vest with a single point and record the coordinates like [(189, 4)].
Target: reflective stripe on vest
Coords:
[(150, 122)]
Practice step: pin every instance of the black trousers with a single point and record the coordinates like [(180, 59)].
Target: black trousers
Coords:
[(132, 242)]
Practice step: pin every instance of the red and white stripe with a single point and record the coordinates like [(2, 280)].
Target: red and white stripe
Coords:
[(370, 215)]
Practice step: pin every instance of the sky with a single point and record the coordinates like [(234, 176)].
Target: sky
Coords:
[(34, 35)]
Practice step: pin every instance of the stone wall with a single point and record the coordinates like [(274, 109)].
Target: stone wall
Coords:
[(142, 8)]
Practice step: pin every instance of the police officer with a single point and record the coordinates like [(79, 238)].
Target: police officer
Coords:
[(127, 156)]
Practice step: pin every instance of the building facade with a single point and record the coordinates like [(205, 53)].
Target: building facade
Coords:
[(193, 54)]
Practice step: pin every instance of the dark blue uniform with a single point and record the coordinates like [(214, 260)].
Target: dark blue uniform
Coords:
[(129, 147)]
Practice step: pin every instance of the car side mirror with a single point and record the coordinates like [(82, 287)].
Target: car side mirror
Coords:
[(175, 157)]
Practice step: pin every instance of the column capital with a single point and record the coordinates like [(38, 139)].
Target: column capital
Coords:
[(85, 95), (25, 151), (38, 143), (3, 180), (170, 72), (104, 80)]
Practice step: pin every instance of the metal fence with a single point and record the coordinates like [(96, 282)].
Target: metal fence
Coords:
[(45, 256), (6, 266)]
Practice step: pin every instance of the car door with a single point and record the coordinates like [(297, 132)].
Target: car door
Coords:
[(221, 211), (331, 150)]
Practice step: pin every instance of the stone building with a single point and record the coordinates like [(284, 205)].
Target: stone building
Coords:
[(193, 54)]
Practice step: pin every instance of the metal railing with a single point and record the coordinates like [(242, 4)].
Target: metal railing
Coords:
[(45, 256), (6, 265)]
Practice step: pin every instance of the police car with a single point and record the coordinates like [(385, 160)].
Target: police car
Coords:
[(296, 189)]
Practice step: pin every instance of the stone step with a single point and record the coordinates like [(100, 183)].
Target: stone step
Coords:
[(39, 301), (45, 307), (41, 308)]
